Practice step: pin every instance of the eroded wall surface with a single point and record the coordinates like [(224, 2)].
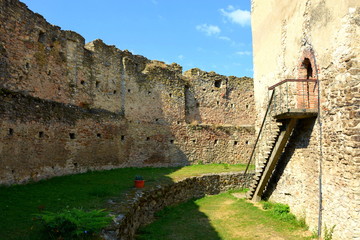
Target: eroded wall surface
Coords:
[(69, 107), (328, 33)]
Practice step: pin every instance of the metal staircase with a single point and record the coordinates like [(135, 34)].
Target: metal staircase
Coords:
[(278, 123)]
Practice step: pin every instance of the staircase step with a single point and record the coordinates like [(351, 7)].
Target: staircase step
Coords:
[(257, 178), (249, 195)]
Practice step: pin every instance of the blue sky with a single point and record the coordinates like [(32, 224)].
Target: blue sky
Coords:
[(212, 35)]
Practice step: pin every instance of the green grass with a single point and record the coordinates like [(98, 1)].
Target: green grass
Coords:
[(220, 217), (282, 212), (88, 191), (196, 170)]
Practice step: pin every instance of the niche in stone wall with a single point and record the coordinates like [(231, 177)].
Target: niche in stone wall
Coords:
[(217, 83), (72, 135), (306, 69), (41, 37)]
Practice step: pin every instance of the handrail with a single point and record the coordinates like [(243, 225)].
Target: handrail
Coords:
[(291, 80), (258, 136)]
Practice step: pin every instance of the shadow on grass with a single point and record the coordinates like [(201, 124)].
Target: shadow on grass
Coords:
[(91, 190), (182, 222)]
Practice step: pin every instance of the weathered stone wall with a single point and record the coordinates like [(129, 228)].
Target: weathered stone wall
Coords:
[(327, 33), (142, 204), (69, 107), (41, 138), (216, 99)]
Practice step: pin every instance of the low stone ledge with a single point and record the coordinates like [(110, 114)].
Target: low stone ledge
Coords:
[(140, 209)]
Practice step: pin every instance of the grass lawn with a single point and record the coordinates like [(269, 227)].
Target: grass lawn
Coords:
[(222, 217), (88, 191), (197, 170)]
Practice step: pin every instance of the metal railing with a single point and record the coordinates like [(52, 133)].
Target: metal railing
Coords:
[(295, 95), (289, 95)]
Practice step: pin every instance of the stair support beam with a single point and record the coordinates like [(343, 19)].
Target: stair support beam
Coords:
[(275, 155)]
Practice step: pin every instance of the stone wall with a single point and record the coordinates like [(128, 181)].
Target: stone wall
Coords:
[(142, 204), (327, 33), (68, 107), (216, 99)]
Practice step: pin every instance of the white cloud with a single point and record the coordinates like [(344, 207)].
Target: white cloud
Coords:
[(181, 57), (225, 38), (208, 29), (244, 53), (238, 16), (155, 2)]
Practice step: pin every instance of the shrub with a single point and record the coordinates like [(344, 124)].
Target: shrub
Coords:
[(328, 235), (282, 211), (74, 223), (267, 205)]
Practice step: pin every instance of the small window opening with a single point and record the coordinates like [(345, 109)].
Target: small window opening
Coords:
[(41, 38), (72, 135), (197, 104), (194, 140), (149, 92), (82, 82), (11, 131), (217, 83), (114, 91), (178, 122), (232, 105), (27, 65), (13, 171), (217, 102), (53, 167), (122, 137), (97, 84), (235, 143), (247, 106), (156, 120), (49, 72), (98, 135), (170, 95), (172, 141), (75, 164), (148, 138), (247, 142), (212, 90), (307, 65), (129, 90), (204, 89), (41, 134), (215, 142)]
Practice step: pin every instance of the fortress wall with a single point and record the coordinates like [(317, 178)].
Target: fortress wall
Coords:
[(41, 139), (121, 109), (216, 99), (331, 30)]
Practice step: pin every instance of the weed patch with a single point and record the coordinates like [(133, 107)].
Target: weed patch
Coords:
[(74, 223), (282, 212)]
